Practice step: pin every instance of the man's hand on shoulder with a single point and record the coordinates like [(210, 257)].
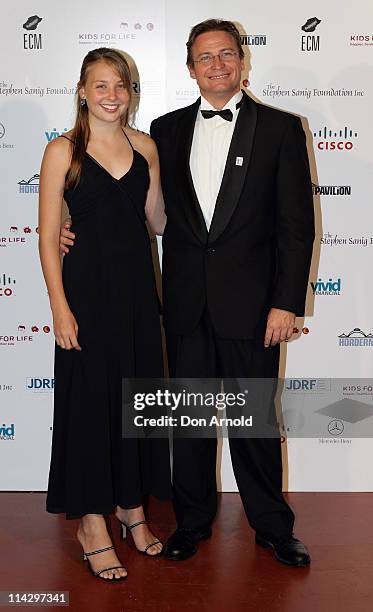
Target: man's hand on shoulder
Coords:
[(280, 325)]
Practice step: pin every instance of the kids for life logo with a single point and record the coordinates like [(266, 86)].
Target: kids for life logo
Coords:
[(23, 335)]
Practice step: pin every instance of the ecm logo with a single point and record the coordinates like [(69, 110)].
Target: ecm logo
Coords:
[(40, 384), (301, 384), (31, 40), (310, 42)]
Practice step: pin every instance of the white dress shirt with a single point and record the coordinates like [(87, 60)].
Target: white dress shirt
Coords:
[(208, 156)]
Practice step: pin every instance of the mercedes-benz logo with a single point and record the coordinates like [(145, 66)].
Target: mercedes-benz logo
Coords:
[(2, 130), (336, 427)]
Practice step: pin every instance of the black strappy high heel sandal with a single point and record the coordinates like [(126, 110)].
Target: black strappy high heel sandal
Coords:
[(123, 536), (106, 569)]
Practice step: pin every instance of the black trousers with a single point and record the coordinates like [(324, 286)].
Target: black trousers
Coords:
[(256, 462)]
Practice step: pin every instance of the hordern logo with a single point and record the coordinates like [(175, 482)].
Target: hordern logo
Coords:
[(356, 337), (29, 186)]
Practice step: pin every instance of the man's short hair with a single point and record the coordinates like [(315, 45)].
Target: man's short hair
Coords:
[(213, 25)]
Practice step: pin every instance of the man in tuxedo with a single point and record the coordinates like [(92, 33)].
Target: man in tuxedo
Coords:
[(236, 255)]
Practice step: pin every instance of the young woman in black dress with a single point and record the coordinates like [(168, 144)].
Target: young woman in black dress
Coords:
[(105, 313)]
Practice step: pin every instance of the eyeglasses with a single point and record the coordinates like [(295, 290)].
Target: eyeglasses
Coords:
[(224, 56)]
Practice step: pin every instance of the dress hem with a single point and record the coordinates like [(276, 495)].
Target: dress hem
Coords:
[(106, 511)]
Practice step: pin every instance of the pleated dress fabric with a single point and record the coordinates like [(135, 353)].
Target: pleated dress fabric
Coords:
[(109, 284)]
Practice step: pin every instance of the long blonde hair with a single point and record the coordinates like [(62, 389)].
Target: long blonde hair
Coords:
[(81, 131)]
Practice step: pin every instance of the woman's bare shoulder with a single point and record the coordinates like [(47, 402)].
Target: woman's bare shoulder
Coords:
[(61, 144), (59, 151), (142, 142)]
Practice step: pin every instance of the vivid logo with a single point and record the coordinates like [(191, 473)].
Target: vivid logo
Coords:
[(326, 288), (54, 134), (7, 432)]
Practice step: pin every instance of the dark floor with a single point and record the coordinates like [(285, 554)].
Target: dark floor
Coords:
[(230, 573)]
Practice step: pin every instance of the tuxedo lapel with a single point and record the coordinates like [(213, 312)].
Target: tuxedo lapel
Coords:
[(235, 169), (184, 136)]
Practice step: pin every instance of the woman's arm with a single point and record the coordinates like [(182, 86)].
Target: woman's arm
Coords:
[(54, 167)]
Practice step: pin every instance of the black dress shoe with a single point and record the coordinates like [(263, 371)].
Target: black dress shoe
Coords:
[(288, 550), (182, 544)]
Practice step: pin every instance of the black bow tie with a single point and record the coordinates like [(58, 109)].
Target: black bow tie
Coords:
[(226, 113)]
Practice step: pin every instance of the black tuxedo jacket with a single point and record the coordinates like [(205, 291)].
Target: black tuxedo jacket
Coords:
[(258, 250)]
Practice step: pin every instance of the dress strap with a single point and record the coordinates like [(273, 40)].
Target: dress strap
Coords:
[(130, 143), (67, 138)]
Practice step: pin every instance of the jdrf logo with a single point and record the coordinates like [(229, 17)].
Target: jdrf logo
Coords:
[(301, 384), (43, 385), (7, 432), (54, 134)]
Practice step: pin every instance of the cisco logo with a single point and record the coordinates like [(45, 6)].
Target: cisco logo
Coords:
[(335, 140), (6, 285)]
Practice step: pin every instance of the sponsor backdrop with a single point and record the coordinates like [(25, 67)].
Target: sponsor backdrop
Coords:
[(315, 62)]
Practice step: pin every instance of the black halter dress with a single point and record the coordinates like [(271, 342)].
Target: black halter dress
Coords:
[(109, 284)]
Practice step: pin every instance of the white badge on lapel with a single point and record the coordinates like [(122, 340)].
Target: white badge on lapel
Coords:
[(239, 161)]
